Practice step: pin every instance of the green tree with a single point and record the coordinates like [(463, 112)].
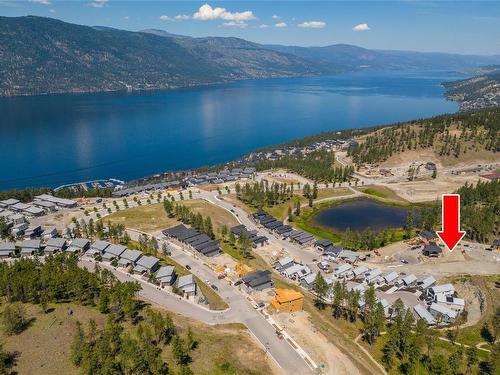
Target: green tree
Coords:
[(14, 318), (320, 288), (77, 344)]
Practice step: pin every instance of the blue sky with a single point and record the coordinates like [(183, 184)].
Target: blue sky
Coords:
[(444, 26)]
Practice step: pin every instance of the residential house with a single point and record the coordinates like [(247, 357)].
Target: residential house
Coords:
[(97, 248), (446, 289), (390, 277), (129, 258), (54, 245), (426, 282), (113, 252), (30, 247), (7, 249), (323, 244), (457, 304), (342, 270), (358, 272), (308, 281), (187, 285), (78, 245), (442, 313), (422, 313), (166, 275), (372, 277), (288, 300), (146, 264), (49, 232), (408, 280), (258, 280), (432, 250), (283, 263)]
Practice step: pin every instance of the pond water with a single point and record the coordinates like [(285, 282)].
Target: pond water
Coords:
[(360, 214)]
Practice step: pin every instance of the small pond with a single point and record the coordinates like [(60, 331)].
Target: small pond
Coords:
[(360, 214)]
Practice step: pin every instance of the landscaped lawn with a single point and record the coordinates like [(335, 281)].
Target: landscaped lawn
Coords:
[(151, 218), (380, 192)]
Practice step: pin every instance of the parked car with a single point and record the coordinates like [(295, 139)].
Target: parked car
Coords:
[(238, 282), (260, 305), (188, 267), (214, 287)]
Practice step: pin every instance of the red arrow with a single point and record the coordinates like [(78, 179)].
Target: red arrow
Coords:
[(451, 233)]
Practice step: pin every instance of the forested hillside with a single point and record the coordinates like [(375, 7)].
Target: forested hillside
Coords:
[(43, 55), (318, 166), (480, 210), (447, 135)]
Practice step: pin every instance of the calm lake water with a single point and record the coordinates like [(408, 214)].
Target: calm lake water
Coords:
[(360, 214), (57, 139)]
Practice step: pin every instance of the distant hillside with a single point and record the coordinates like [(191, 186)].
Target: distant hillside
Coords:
[(455, 137), (346, 57), (481, 91), (44, 55)]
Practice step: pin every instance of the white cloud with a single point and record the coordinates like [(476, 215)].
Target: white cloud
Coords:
[(361, 27), (44, 2), (236, 24), (275, 17), (281, 25), (182, 17), (52, 10), (313, 24), (126, 18), (166, 18), (263, 26), (206, 13), (99, 3)]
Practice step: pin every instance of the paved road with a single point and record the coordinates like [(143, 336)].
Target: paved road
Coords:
[(240, 311)]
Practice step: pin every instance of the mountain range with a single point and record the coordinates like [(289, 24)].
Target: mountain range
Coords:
[(44, 55)]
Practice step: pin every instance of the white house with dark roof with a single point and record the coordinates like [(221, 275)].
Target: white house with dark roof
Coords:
[(129, 258), (308, 281), (166, 275), (146, 264)]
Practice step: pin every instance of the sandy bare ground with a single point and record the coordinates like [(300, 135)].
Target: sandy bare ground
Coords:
[(475, 261), (429, 189), (299, 326)]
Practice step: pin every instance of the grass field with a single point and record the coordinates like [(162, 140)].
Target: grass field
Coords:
[(152, 218), (44, 347), (381, 192)]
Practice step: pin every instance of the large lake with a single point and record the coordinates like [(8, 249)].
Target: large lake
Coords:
[(360, 214), (57, 139)]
